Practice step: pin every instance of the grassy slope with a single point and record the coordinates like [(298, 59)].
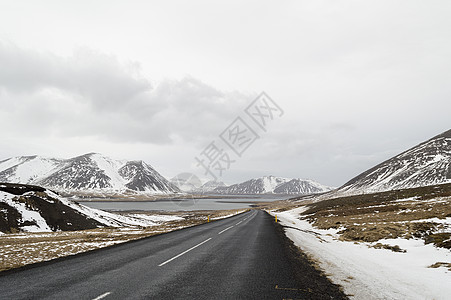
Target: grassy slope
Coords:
[(398, 213)]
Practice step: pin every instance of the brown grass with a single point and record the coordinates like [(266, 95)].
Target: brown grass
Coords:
[(372, 217), (394, 214), (371, 222)]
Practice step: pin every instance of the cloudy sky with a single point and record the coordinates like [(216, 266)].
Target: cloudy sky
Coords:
[(358, 81)]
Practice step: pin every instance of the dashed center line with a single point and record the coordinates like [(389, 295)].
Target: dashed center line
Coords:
[(225, 229), (184, 252), (102, 296)]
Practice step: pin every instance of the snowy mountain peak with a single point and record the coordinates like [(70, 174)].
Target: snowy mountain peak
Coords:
[(142, 177), (91, 171), (210, 186), (89, 154), (186, 182), (301, 186), (272, 184)]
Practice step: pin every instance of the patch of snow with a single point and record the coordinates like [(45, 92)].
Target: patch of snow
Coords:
[(446, 220), (26, 213), (408, 199), (157, 218), (271, 182), (106, 218)]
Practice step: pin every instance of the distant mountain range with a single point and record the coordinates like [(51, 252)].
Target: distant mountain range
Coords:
[(274, 185), (210, 186), (89, 172), (186, 182), (429, 163)]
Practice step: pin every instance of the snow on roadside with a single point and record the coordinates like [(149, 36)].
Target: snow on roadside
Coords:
[(156, 218), (368, 273)]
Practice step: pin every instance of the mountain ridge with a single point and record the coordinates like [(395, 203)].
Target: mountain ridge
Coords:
[(91, 171), (428, 163), (274, 185)]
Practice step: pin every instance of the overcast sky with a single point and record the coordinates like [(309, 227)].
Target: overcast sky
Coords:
[(358, 81)]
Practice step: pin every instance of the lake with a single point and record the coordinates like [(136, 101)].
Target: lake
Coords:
[(214, 203)]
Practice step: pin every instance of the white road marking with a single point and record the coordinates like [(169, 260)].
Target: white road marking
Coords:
[(225, 229), (102, 296), (238, 223), (184, 252)]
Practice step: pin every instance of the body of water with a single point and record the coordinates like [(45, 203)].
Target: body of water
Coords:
[(214, 203)]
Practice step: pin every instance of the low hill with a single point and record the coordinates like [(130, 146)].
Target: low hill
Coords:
[(28, 208)]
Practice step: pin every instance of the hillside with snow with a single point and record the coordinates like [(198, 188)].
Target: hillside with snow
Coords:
[(91, 171), (427, 164), (273, 185), (27, 208), (301, 187)]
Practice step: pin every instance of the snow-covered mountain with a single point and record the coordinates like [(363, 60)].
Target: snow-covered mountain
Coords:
[(186, 182), (272, 184), (91, 171), (27, 208), (301, 187), (210, 186), (429, 163)]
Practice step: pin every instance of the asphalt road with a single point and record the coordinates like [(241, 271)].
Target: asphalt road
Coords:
[(243, 257)]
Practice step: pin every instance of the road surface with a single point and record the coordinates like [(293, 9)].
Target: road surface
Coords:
[(243, 257)]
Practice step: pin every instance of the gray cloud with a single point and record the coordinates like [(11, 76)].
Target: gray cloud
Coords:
[(97, 77), (92, 94)]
